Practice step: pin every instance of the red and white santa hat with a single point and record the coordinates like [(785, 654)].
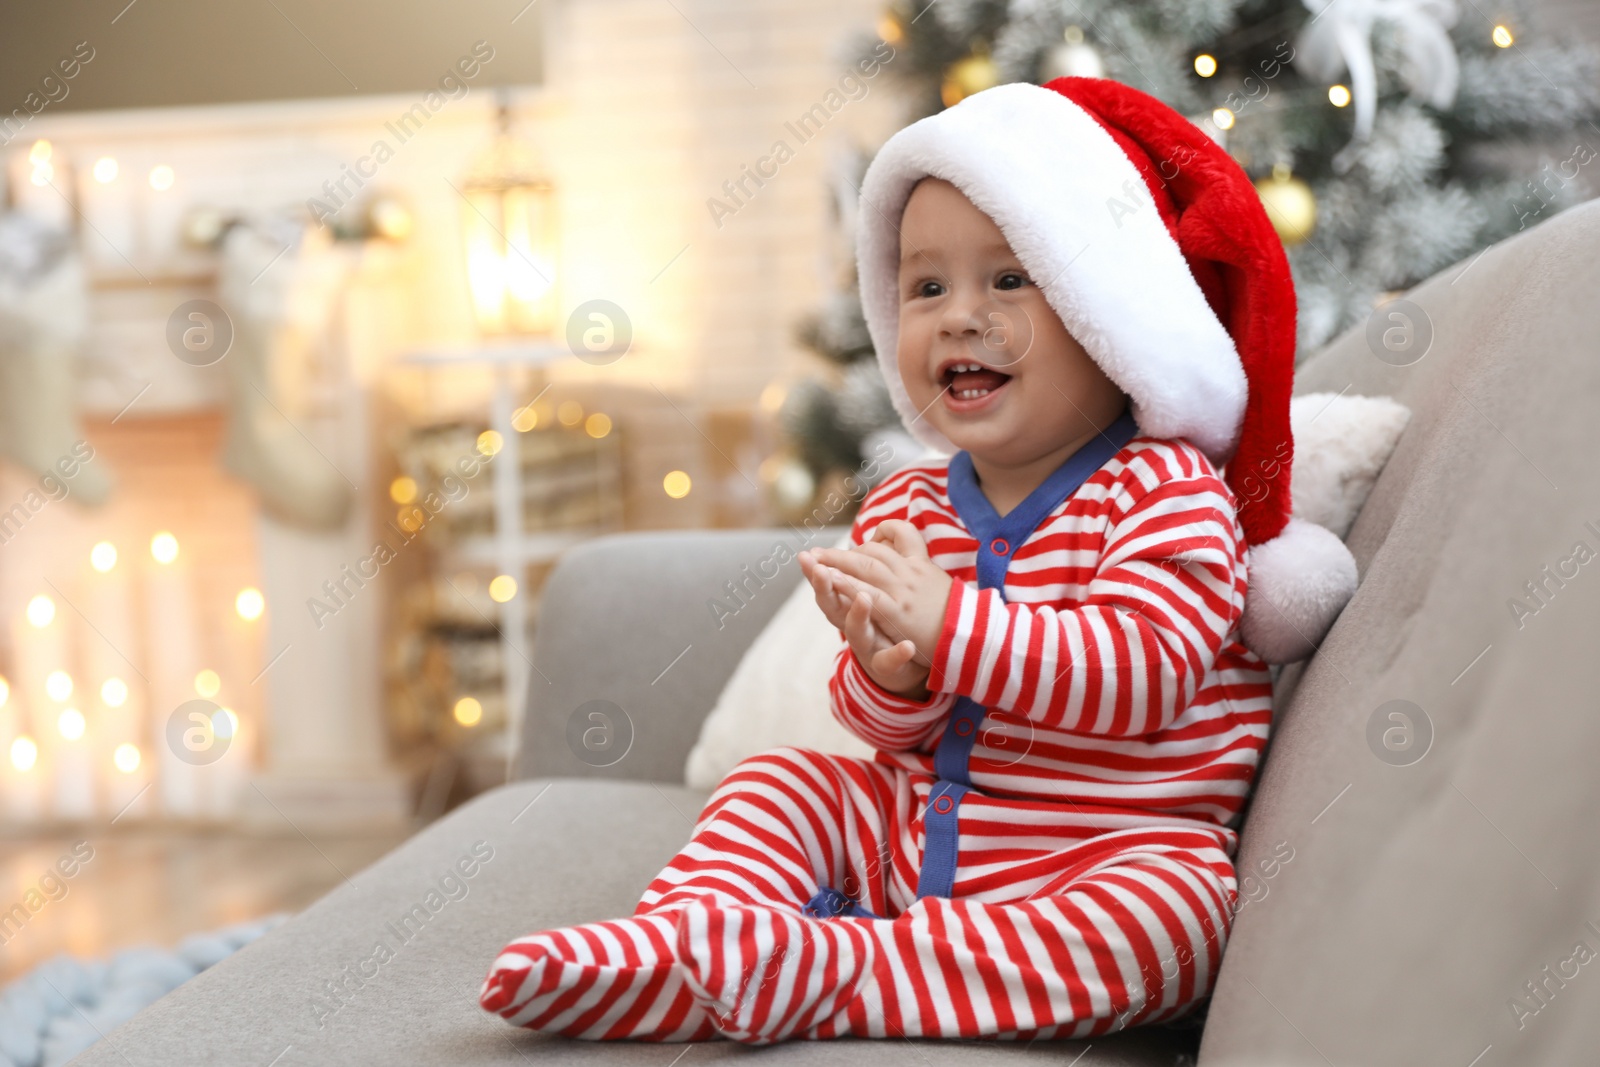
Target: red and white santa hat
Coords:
[(1153, 247)]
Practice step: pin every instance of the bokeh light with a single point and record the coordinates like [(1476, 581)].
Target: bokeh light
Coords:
[(249, 603), (70, 723), (468, 712), (126, 757), (207, 683), (41, 610), (58, 684), (403, 490), (676, 484), (164, 547), (114, 692), (24, 753)]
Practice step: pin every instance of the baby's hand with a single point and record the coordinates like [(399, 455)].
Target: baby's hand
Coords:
[(884, 585)]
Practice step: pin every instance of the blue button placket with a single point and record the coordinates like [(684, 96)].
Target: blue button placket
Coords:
[(998, 538)]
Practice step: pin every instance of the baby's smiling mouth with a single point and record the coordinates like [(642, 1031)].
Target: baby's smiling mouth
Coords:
[(969, 380)]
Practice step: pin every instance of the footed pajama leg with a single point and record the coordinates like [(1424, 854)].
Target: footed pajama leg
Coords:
[(777, 829), (599, 981), (1136, 941)]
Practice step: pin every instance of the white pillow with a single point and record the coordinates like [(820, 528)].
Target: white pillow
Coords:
[(1340, 446), (778, 694)]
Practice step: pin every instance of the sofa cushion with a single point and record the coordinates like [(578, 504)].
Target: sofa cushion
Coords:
[(527, 856), (1420, 848)]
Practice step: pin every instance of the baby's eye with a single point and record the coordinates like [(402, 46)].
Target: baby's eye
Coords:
[(1011, 279), (928, 287)]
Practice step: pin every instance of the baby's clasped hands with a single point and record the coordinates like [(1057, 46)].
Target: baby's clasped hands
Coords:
[(889, 598)]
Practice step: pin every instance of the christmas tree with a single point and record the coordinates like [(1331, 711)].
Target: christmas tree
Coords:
[(1387, 140)]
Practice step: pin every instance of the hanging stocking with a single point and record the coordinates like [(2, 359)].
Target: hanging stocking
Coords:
[(43, 317), (281, 303)]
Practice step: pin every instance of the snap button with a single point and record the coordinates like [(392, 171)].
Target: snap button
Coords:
[(943, 805), (999, 546), (963, 727)]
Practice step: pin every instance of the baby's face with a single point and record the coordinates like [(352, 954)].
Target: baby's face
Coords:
[(983, 355)]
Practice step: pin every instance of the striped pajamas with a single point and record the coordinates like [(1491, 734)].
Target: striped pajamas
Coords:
[(1093, 889)]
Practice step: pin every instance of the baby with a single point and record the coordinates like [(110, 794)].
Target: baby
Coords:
[(1042, 634)]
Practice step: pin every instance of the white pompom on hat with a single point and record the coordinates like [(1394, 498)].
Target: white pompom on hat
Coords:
[(1153, 247)]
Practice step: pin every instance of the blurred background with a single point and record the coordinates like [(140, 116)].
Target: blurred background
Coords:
[(326, 329)]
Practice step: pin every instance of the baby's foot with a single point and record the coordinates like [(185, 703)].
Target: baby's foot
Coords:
[(603, 981), (764, 975)]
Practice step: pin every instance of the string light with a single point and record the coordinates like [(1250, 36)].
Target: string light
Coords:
[(1338, 95), (24, 753), (207, 683), (39, 156), (490, 442), (597, 425), (249, 603), (403, 490), (468, 712), (1502, 36), (103, 556), (525, 419), (41, 610), (502, 588), (70, 723), (59, 685), (114, 692), (570, 413), (1205, 65), (105, 170), (224, 722), (126, 758), (164, 547), (676, 484), (162, 177), (1223, 118)]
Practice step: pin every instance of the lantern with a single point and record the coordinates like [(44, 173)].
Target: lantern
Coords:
[(508, 226)]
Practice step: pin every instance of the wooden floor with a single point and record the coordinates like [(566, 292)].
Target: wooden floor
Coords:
[(152, 886)]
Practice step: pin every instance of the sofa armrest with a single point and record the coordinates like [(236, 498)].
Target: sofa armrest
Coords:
[(632, 620)]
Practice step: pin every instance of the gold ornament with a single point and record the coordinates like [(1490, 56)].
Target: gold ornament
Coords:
[(973, 74), (1290, 204)]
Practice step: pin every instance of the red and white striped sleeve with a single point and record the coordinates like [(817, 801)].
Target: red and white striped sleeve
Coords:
[(1168, 588), (882, 719)]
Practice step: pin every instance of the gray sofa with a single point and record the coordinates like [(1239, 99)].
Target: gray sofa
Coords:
[(1406, 892)]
